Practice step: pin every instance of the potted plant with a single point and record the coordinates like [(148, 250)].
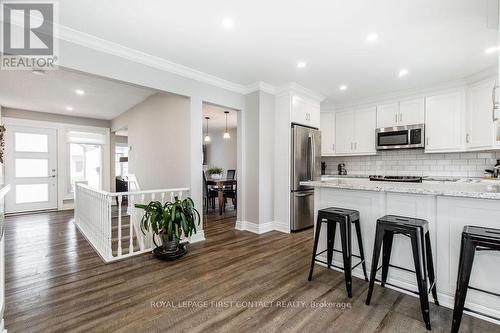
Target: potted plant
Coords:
[(215, 172), (170, 221)]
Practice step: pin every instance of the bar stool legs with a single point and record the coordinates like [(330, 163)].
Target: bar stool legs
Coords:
[(319, 222), (420, 271), (466, 260), (345, 217)]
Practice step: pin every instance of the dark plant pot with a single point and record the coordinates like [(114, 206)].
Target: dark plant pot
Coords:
[(169, 245)]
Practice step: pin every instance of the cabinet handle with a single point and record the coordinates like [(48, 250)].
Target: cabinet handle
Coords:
[(351, 145), (400, 117), (355, 146), (395, 117), (333, 146), (467, 137), (495, 103), (427, 141)]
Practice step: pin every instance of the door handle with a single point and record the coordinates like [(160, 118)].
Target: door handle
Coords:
[(304, 194)]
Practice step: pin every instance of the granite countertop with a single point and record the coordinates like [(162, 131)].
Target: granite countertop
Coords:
[(479, 190)]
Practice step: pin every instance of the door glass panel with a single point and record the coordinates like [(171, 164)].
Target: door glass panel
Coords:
[(32, 167), (28, 193), (31, 142), (85, 164)]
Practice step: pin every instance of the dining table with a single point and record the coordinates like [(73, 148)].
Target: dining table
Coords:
[(219, 186)]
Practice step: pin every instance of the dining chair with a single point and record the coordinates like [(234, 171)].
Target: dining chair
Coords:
[(209, 194)]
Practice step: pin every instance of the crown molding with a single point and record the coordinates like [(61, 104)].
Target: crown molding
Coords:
[(102, 45), (293, 87), (262, 86), (99, 44)]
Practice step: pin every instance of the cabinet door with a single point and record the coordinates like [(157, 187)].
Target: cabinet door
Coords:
[(411, 112), (299, 111), (480, 125), (365, 122), (327, 130), (344, 132), (444, 122), (387, 115), (313, 109)]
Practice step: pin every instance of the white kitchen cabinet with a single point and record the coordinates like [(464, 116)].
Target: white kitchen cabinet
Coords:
[(481, 127), (365, 122), (355, 131), (305, 112), (344, 132), (411, 112), (327, 127), (387, 115), (444, 122), (408, 112)]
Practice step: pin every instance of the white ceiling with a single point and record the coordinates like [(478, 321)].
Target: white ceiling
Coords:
[(217, 121), (54, 91), (436, 40)]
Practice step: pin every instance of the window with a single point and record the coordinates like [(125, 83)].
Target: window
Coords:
[(85, 158), (121, 166)]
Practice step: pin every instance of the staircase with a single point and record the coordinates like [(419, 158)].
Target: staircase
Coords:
[(125, 235)]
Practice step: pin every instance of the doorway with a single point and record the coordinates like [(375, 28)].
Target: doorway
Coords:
[(220, 164), (31, 168)]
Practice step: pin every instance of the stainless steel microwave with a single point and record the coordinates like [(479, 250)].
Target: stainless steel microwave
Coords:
[(400, 137)]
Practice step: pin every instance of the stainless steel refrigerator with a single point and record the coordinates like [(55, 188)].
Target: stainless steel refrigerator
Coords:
[(306, 165)]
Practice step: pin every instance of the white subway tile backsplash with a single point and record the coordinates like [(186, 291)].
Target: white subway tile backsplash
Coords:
[(416, 163)]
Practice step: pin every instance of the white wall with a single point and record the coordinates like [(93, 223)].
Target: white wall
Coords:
[(222, 152), (159, 141)]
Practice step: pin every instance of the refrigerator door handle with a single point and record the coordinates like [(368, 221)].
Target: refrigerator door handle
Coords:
[(304, 194)]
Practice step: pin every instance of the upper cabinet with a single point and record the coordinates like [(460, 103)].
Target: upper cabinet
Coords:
[(481, 127), (444, 122), (327, 136), (305, 112), (408, 112), (355, 131)]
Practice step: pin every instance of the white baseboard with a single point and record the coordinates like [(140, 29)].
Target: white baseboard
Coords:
[(256, 228), (281, 227), (199, 236)]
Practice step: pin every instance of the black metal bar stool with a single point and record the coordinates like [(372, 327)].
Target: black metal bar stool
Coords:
[(331, 216), (473, 239), (418, 231)]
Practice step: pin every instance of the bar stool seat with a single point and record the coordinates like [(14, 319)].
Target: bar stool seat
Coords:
[(344, 217), (474, 238), (418, 232)]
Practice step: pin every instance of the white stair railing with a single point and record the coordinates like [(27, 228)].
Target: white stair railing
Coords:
[(95, 218)]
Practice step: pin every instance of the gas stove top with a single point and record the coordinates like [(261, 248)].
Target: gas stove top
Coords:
[(401, 179)]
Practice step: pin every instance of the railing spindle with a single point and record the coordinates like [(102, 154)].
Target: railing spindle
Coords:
[(119, 225)]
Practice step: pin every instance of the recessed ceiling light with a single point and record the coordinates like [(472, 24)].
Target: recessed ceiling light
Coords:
[(343, 87), (38, 72), (227, 23), (492, 49), (372, 38), (79, 92), (301, 64), (69, 108), (403, 72)]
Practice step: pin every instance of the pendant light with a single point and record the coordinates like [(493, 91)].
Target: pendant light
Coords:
[(226, 133), (207, 137)]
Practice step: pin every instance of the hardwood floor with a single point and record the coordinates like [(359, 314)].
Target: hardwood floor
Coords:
[(56, 283)]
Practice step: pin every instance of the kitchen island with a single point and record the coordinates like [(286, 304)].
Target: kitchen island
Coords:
[(447, 206)]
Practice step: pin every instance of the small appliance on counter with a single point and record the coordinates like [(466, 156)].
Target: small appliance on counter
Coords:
[(495, 172), (323, 168), (341, 169)]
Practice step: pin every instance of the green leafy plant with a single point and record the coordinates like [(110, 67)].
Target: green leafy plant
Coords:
[(171, 219), (214, 171)]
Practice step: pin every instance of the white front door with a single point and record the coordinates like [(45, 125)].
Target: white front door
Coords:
[(30, 168)]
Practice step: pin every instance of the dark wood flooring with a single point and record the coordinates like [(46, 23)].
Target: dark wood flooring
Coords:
[(56, 283)]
